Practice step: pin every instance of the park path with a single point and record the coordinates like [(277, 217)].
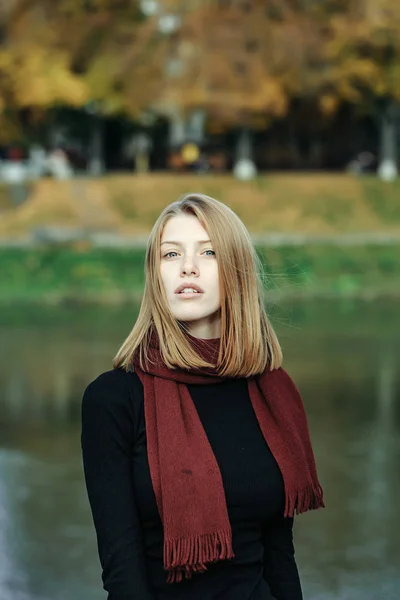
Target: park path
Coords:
[(94, 218)]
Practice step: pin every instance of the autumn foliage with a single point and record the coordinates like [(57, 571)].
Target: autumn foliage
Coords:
[(241, 60)]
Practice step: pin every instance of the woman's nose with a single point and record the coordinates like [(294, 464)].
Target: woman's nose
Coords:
[(189, 265)]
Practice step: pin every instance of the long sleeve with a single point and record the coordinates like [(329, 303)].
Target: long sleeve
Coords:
[(106, 439), (280, 569)]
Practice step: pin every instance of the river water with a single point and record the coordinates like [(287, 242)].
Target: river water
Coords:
[(345, 359)]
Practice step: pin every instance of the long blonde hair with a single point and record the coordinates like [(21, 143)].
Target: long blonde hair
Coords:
[(248, 341)]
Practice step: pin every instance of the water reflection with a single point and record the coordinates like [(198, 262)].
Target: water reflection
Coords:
[(345, 359)]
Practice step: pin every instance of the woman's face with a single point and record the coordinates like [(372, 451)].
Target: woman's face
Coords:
[(186, 257)]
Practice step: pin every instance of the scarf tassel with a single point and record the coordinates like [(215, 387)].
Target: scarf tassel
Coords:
[(309, 498), (185, 556)]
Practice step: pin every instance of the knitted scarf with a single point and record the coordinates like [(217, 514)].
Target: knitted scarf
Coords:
[(185, 475)]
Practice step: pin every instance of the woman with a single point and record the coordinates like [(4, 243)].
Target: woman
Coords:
[(195, 446)]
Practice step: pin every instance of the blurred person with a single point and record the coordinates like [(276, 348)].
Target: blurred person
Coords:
[(14, 172), (218, 161), (195, 446), (193, 158), (138, 150), (190, 154), (175, 161), (37, 161), (364, 162), (16, 153), (58, 164)]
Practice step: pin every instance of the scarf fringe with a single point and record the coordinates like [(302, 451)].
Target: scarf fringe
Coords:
[(309, 498), (185, 556)]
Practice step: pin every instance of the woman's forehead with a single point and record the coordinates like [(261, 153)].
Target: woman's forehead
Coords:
[(184, 228)]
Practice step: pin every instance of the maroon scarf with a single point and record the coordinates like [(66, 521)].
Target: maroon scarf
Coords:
[(185, 475)]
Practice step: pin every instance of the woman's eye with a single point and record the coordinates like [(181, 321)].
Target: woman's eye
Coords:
[(173, 252)]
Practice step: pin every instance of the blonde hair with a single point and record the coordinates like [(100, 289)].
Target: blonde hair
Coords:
[(248, 342)]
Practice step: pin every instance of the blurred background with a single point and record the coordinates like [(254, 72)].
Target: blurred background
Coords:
[(289, 112)]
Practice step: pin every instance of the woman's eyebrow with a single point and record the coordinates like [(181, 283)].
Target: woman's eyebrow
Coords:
[(180, 243)]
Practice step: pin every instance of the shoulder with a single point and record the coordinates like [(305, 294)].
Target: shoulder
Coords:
[(115, 386), (284, 377), (112, 404), (283, 384)]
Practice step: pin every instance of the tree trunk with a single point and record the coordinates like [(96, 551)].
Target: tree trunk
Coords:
[(387, 169), (244, 167), (96, 160), (195, 126), (177, 130)]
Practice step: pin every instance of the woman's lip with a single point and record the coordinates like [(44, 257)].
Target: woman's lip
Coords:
[(189, 287), (189, 294)]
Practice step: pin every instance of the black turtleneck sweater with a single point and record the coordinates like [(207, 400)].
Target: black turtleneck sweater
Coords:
[(128, 527)]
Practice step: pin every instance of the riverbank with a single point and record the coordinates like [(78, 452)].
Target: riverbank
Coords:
[(83, 274), (82, 241), (319, 204)]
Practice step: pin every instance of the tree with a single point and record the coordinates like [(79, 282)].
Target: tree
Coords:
[(34, 73), (233, 60), (73, 52), (361, 65)]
